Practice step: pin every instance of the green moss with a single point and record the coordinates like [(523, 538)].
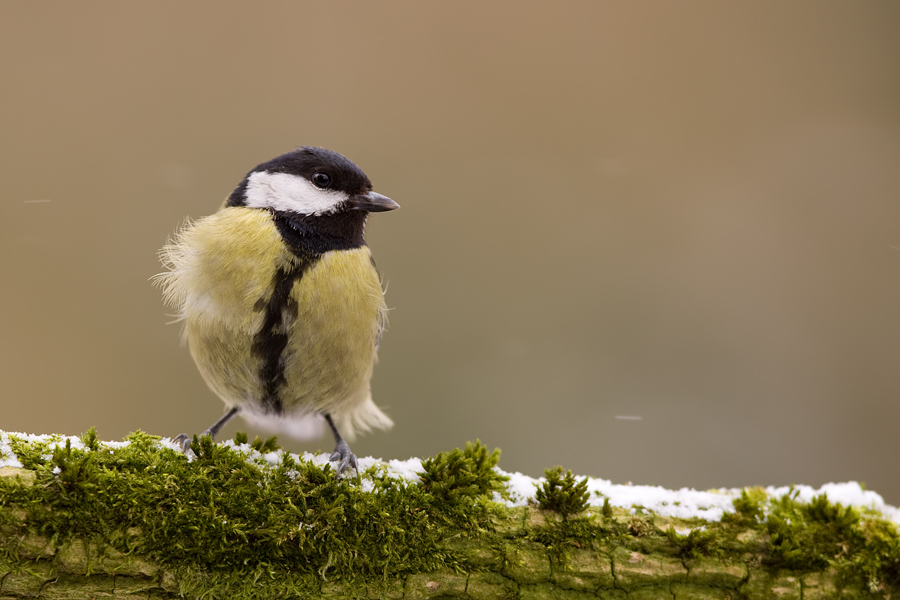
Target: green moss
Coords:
[(806, 537), (640, 526), (701, 541), (562, 493), (222, 520), (607, 510), (560, 497), (467, 473), (748, 507), (878, 559), (241, 520), (263, 446), (90, 440)]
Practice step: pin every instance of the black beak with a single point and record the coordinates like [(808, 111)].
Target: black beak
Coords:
[(372, 202)]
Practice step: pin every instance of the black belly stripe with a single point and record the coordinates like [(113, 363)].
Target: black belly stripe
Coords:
[(270, 342), (307, 238)]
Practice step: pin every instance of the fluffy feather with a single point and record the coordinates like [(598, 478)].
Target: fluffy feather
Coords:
[(220, 271)]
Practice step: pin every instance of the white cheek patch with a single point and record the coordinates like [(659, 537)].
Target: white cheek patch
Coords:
[(284, 192)]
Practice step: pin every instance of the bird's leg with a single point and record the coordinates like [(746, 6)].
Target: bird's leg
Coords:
[(342, 451), (185, 442)]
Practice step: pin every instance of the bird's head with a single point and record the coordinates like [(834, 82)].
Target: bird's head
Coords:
[(309, 182)]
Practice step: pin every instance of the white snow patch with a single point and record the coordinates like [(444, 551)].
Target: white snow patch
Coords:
[(849, 493), (317, 459), (168, 443), (687, 503), (684, 503), (8, 458), (408, 469), (116, 445)]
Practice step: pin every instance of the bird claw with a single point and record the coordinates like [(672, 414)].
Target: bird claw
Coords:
[(344, 457), (184, 441)]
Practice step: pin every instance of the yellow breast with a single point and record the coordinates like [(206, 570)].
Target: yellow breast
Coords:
[(221, 265), (221, 274), (331, 346)]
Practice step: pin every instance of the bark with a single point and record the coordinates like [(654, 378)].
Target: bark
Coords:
[(79, 571)]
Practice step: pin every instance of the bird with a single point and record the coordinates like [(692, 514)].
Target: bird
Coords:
[(282, 305)]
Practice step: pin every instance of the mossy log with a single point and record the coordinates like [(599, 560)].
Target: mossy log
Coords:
[(140, 520)]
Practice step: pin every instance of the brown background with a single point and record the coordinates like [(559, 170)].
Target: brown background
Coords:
[(686, 212)]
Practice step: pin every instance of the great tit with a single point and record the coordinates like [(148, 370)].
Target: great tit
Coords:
[(282, 306)]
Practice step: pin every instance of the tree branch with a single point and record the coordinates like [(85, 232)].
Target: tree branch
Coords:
[(85, 519)]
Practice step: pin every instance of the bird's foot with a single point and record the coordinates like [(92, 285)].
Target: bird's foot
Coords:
[(184, 441), (344, 456)]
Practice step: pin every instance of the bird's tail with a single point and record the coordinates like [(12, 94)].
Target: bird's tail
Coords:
[(361, 418)]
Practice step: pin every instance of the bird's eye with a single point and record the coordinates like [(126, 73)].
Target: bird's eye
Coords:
[(321, 180)]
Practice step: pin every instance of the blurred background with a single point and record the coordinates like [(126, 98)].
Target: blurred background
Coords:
[(649, 241)]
